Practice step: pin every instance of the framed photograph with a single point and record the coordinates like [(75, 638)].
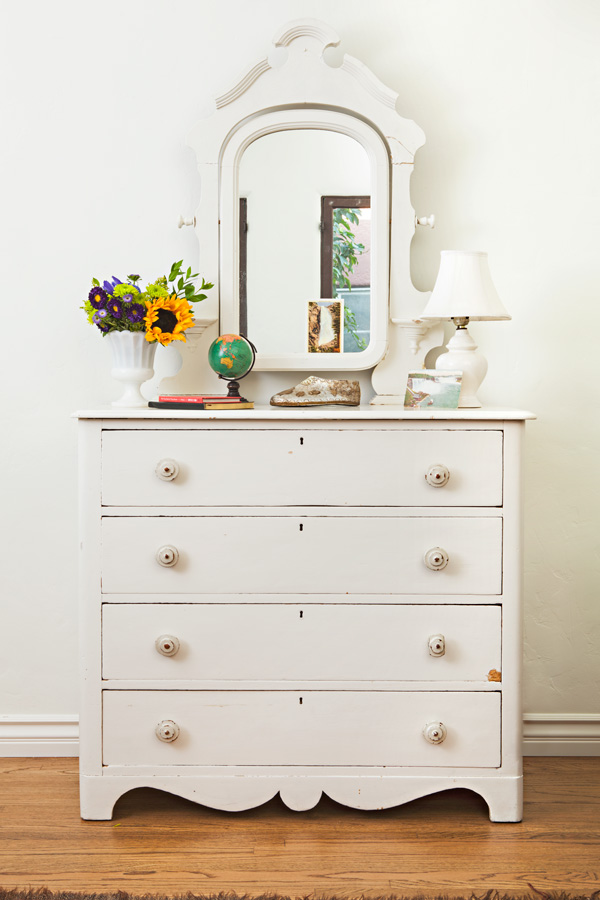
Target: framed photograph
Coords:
[(325, 326), (432, 389)]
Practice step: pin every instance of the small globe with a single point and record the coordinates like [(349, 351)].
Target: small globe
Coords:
[(231, 356)]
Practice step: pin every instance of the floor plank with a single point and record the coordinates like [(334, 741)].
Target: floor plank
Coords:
[(443, 844)]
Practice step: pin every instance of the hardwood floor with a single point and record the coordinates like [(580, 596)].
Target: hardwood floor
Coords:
[(443, 844)]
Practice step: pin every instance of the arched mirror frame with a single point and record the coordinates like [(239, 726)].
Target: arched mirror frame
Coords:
[(305, 81), (289, 120)]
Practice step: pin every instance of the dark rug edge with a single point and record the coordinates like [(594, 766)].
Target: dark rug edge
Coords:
[(43, 893)]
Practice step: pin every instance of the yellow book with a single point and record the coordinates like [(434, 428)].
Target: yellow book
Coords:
[(247, 404)]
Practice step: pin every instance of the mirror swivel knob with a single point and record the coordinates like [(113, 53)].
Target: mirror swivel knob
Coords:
[(167, 644), (436, 559), (167, 470), (425, 220), (435, 732), (437, 645), (437, 476), (167, 556), (167, 731), (183, 221)]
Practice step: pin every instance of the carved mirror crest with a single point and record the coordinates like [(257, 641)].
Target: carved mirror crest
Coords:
[(305, 170)]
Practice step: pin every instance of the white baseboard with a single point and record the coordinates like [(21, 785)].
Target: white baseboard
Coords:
[(39, 735), (574, 734), (544, 734)]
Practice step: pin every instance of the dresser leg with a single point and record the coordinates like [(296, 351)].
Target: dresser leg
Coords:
[(504, 797), (98, 796)]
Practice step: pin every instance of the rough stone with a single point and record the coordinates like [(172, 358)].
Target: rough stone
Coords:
[(315, 391)]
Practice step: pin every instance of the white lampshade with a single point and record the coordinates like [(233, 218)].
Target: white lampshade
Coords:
[(464, 288)]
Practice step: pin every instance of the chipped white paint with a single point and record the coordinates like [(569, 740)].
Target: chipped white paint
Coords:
[(282, 461), (214, 645), (331, 652)]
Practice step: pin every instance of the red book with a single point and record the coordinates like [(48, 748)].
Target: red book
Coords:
[(198, 398)]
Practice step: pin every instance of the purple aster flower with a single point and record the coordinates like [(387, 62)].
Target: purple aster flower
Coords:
[(97, 298), (109, 286), (98, 316), (103, 326), (115, 308), (127, 298), (136, 312)]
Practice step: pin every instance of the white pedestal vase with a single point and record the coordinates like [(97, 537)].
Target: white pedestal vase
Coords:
[(133, 364)]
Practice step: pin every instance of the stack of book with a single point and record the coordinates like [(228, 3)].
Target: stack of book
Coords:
[(200, 401)]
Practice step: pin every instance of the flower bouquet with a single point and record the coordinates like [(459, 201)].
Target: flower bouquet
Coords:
[(138, 319), (162, 310)]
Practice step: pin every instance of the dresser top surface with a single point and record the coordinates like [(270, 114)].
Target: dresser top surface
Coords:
[(270, 413)]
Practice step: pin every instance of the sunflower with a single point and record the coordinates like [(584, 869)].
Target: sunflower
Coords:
[(167, 318)]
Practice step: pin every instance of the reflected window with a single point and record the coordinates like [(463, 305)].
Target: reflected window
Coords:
[(346, 264)]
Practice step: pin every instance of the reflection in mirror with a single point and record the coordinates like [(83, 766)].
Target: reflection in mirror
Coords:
[(287, 181), (346, 264)]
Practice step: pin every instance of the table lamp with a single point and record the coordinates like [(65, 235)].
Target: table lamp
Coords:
[(464, 291)]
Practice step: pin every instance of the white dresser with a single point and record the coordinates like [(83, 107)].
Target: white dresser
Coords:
[(300, 602)]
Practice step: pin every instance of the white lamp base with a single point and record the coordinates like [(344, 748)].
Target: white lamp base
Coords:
[(462, 356)]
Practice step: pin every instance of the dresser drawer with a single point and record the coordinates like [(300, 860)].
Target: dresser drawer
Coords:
[(312, 728), (316, 642), (340, 467), (301, 554)]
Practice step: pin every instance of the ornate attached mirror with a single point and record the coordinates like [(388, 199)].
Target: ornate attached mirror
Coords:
[(278, 170), (306, 214), (305, 232)]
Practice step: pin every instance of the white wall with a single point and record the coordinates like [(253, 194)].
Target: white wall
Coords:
[(95, 171)]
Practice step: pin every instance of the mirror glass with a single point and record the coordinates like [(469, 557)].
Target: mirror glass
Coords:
[(305, 243)]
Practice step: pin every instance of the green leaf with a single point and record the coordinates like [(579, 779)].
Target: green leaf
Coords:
[(175, 270), (95, 282)]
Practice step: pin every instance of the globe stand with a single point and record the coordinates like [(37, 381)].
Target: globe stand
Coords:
[(233, 388)]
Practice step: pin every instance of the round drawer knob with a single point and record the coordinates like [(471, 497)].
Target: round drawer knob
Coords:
[(167, 556), (435, 732), (167, 470), (436, 559), (167, 644), (437, 476), (437, 645), (167, 731)]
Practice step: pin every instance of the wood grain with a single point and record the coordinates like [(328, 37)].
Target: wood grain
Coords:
[(159, 843)]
